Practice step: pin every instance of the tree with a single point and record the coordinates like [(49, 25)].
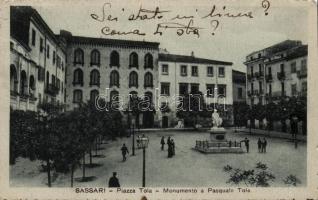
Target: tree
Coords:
[(240, 113), (191, 108)]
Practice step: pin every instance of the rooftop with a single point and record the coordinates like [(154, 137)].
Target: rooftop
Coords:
[(110, 42), (190, 59)]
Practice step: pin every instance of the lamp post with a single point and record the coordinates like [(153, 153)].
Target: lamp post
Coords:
[(133, 137), (144, 144)]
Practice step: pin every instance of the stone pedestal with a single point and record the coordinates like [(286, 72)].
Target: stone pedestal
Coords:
[(217, 134)]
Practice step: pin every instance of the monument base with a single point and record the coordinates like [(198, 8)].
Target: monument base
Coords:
[(218, 143), (217, 134)]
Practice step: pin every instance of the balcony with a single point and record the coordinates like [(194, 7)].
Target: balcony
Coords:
[(250, 77), (281, 76), (259, 75), (51, 89), (269, 77), (302, 74)]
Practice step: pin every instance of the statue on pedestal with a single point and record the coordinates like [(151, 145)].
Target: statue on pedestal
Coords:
[(216, 119)]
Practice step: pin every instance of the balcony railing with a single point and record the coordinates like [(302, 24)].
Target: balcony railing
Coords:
[(301, 74), (52, 89), (259, 75), (281, 75)]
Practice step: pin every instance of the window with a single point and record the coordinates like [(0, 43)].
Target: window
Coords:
[(252, 71), (32, 83), (95, 57), (252, 87), (78, 77), (283, 88), (114, 59), (183, 88), (210, 90), (210, 71), (53, 57), (53, 80), (133, 60), (95, 77), (33, 37), (222, 72), (194, 70), (133, 79), (58, 61), (148, 80), (165, 89), (303, 65), (47, 79), (77, 96), (293, 68), (79, 56), (294, 89), (48, 51), (222, 90), (93, 95), (270, 89), (194, 88), (183, 71), (148, 61), (13, 79), (240, 93), (41, 44), (114, 79), (23, 83), (41, 74), (58, 83), (259, 55), (282, 68), (260, 87), (165, 69), (269, 70), (114, 96)]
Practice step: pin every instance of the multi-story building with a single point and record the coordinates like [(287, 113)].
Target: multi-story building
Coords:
[(37, 61), (276, 71), (179, 75), (239, 86), (110, 67), (72, 69)]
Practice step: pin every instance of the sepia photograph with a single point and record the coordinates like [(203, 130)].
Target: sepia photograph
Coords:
[(159, 94)]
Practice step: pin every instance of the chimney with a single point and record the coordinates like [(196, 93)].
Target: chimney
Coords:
[(192, 53)]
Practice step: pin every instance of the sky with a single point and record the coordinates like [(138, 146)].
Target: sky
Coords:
[(234, 37)]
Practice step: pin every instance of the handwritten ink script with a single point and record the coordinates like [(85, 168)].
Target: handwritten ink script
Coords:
[(165, 20)]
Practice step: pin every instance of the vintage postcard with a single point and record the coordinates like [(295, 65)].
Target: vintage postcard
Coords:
[(158, 99)]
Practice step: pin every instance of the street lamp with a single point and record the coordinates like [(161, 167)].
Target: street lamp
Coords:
[(133, 136), (144, 144)]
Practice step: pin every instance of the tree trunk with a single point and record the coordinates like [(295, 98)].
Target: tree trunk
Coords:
[(72, 174), (48, 172), (83, 166)]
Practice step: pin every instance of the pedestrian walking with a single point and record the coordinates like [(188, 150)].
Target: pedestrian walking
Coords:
[(162, 142), (124, 151), (247, 144), (264, 145), (173, 147), (259, 145), (168, 141), (113, 181)]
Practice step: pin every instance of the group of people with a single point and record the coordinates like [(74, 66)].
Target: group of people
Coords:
[(171, 146), (261, 144)]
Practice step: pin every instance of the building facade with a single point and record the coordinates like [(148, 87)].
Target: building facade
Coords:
[(239, 86), (112, 69), (277, 71), (37, 61), (179, 75)]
